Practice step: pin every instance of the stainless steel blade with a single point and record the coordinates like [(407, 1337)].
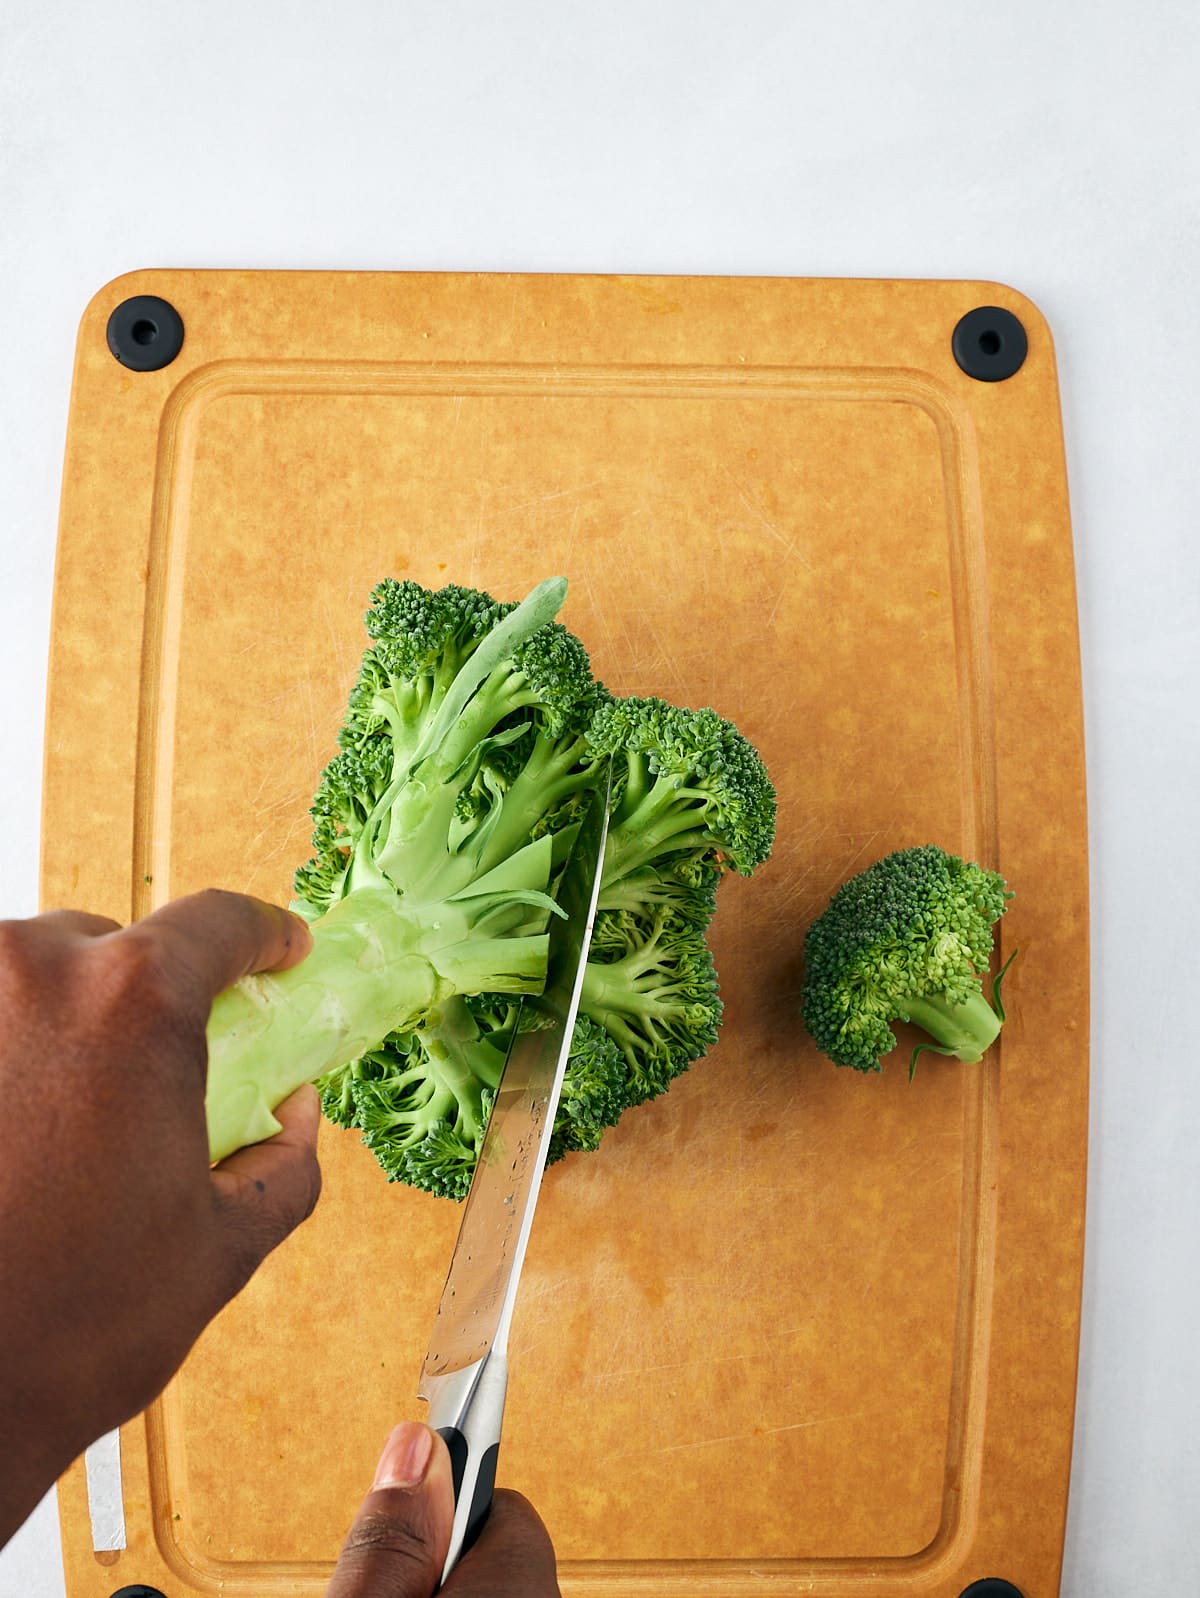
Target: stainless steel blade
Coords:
[(486, 1264)]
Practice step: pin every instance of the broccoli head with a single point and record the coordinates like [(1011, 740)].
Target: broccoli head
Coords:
[(474, 737), (908, 939)]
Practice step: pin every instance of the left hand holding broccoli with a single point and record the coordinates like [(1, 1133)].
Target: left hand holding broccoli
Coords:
[(118, 1242)]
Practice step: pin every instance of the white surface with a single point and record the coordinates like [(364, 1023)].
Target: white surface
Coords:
[(106, 1503), (1046, 144)]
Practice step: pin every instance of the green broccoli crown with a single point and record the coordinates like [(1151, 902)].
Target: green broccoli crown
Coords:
[(426, 638), (693, 786), (420, 632), (421, 639), (474, 737), (423, 642), (907, 939)]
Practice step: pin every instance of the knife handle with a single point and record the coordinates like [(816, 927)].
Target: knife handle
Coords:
[(467, 1414)]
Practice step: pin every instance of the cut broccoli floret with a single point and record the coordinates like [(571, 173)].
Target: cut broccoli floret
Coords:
[(908, 939)]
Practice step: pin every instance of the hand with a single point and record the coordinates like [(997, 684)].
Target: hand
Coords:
[(398, 1544), (118, 1243)]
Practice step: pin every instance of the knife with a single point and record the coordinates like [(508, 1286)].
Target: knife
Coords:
[(465, 1375)]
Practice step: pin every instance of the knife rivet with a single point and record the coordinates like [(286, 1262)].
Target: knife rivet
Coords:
[(991, 1587), (138, 1590)]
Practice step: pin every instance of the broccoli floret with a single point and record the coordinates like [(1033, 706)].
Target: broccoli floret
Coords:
[(652, 986), (594, 1091), (695, 793), (422, 1102), (422, 1099), (692, 801), (908, 939), (474, 738)]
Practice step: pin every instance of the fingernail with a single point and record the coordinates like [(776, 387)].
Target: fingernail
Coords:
[(405, 1456)]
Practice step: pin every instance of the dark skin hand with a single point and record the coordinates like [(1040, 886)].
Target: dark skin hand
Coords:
[(397, 1545), (119, 1242)]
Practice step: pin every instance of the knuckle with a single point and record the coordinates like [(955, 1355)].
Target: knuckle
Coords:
[(221, 907), (223, 900), (378, 1533), (141, 980), (134, 976)]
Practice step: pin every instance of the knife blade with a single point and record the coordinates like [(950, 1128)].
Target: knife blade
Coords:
[(464, 1378)]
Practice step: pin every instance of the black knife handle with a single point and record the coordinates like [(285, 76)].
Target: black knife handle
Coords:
[(467, 1412), (484, 1482), (484, 1485)]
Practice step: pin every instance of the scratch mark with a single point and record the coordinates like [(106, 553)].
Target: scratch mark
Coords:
[(779, 593), (544, 499), (765, 521), (762, 1431)]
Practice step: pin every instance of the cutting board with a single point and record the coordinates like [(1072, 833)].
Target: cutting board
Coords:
[(792, 1329)]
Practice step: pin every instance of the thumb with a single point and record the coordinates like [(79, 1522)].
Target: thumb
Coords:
[(398, 1543)]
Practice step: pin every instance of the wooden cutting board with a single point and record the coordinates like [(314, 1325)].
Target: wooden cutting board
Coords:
[(792, 1330)]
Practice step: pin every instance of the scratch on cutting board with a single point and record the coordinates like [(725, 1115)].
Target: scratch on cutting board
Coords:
[(849, 868), (597, 608), (766, 523), (571, 531), (780, 591), (540, 500), (641, 1369), (757, 1431), (310, 729)]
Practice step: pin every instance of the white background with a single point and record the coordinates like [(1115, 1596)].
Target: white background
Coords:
[(1046, 144)]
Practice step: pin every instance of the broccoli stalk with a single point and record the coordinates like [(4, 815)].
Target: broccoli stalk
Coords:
[(966, 1028), (908, 939), (377, 964)]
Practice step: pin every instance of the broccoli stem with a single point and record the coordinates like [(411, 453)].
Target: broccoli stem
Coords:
[(554, 771), (379, 963), (667, 820), (967, 1028), (426, 1110), (459, 1062)]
